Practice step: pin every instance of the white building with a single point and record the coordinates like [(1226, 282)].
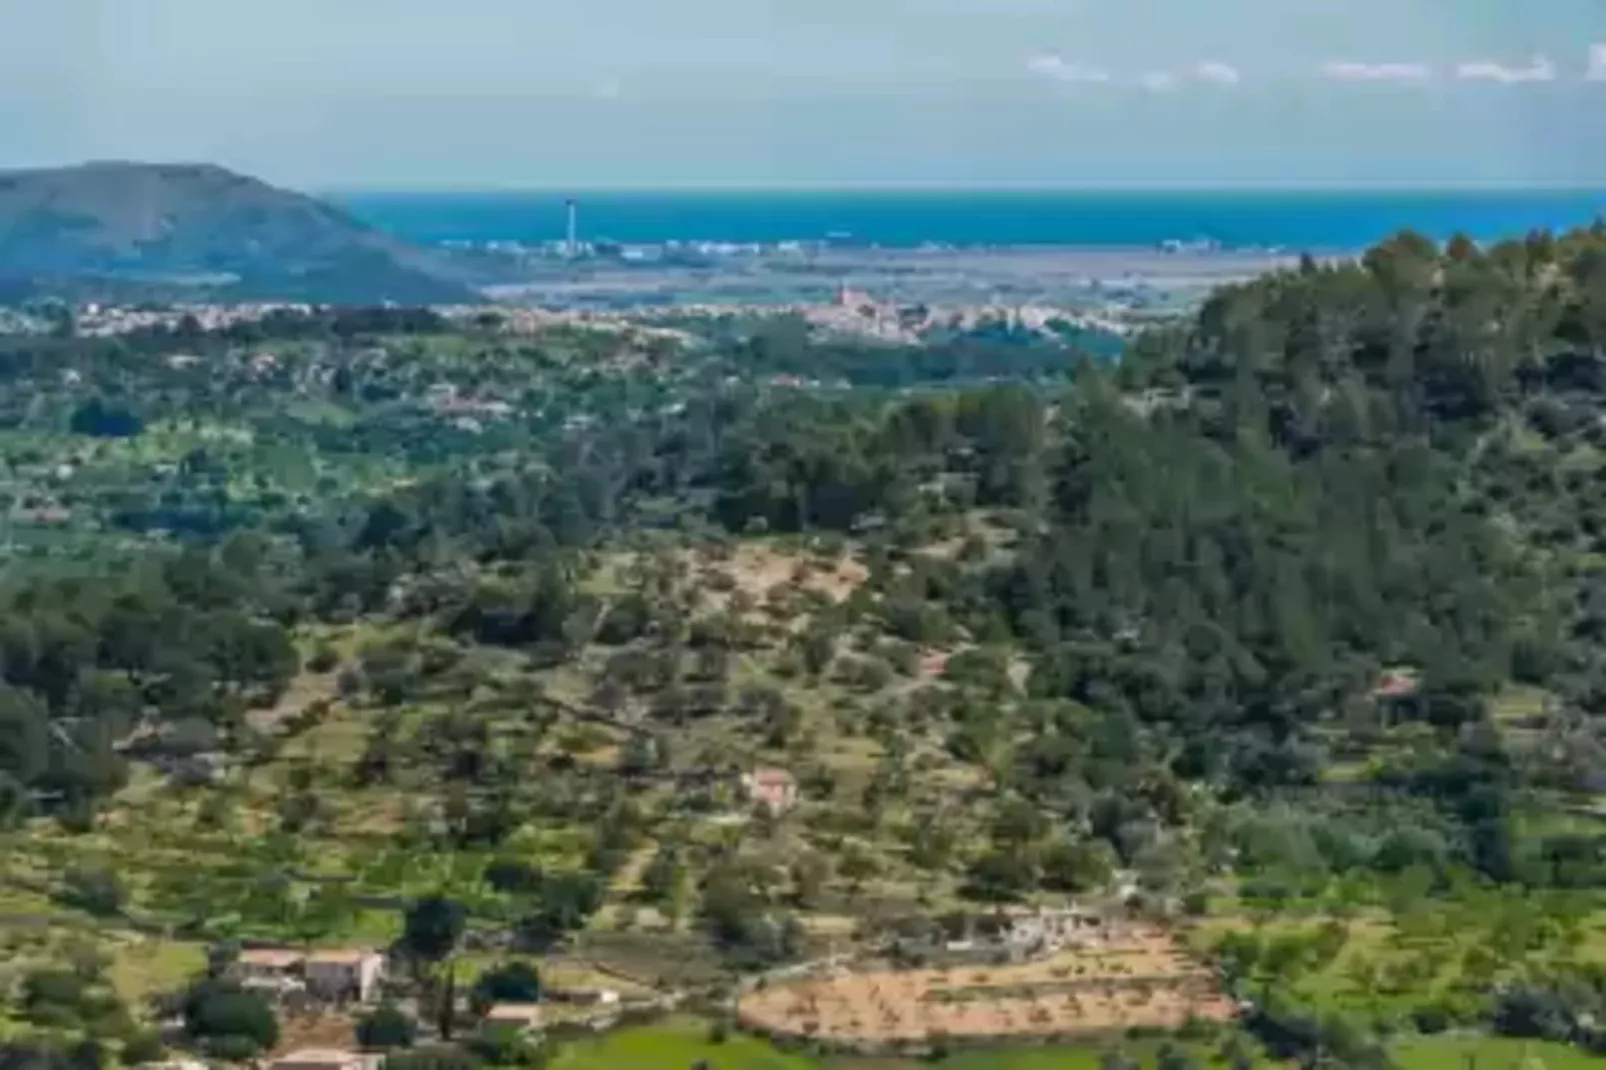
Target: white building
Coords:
[(345, 976)]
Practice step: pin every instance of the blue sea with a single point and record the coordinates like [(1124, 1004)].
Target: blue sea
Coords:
[(1304, 220)]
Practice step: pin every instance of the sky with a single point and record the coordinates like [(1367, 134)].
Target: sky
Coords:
[(423, 94)]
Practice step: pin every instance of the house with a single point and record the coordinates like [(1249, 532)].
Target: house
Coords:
[(524, 1017), (267, 964), (1398, 684), (774, 790), (345, 976), (321, 1059), (1396, 694)]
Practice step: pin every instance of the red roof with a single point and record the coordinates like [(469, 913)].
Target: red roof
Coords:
[(1395, 685)]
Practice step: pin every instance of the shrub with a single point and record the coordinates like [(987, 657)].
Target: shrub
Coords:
[(323, 659), (214, 1010), (387, 1027), (513, 982), (144, 1046), (1431, 1018), (231, 1049), (504, 1045)]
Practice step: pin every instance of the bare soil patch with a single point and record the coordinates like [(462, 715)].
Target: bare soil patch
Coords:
[(756, 569), (1147, 980)]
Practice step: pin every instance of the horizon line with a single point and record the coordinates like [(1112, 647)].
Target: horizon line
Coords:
[(1597, 187)]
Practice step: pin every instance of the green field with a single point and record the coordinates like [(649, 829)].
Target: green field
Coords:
[(1491, 1053), (676, 1045), (681, 1043)]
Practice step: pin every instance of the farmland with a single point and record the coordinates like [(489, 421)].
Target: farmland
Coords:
[(1143, 980)]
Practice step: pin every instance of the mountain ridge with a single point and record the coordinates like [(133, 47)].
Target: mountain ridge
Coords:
[(202, 228)]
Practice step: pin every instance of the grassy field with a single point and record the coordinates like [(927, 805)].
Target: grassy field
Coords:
[(1491, 1053), (676, 1045), (681, 1043)]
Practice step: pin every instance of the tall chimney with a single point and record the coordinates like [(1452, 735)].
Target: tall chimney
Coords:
[(572, 248)]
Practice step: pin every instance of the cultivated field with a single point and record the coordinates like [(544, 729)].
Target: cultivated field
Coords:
[(1146, 981)]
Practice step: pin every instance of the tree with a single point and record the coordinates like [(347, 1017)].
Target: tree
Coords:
[(512, 876), (1173, 1057), (567, 899), (512, 982), (811, 872), (664, 879), (505, 1045), (143, 1046), (220, 1010), (94, 890), (34, 1055), (387, 1026), (432, 927), (1001, 876), (1083, 866), (56, 998), (857, 866)]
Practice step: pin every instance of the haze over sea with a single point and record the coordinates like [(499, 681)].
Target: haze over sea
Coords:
[(1302, 220)]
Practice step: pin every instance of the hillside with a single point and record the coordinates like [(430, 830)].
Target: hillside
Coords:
[(1273, 652), (206, 229)]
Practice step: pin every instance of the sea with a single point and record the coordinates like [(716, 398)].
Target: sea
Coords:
[(1302, 220)]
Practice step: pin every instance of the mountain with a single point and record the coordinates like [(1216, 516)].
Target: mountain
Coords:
[(205, 230)]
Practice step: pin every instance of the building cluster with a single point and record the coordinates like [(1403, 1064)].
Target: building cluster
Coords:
[(332, 976), (645, 253), (1025, 934), (102, 321), (856, 312), (340, 977), (530, 319)]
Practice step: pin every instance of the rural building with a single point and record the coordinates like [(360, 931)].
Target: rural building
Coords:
[(267, 964), (525, 1017), (1045, 931), (771, 789), (1396, 685), (321, 1059), (345, 976), (1396, 694)]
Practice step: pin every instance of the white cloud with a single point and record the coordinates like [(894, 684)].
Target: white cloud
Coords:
[(1158, 81), (1540, 70), (1349, 71), (1597, 63), (1209, 72), (1216, 72), (1060, 70)]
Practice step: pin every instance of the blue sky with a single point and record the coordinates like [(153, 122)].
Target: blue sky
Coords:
[(511, 93)]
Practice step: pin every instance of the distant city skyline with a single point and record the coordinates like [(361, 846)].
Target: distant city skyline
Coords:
[(895, 94)]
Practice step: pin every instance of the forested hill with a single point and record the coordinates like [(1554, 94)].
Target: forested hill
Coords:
[(1296, 611), (205, 231), (1331, 473)]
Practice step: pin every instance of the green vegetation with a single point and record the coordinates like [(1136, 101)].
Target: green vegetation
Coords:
[(600, 654), (674, 1046)]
